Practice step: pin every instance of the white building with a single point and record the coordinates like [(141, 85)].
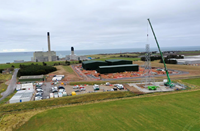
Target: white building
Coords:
[(73, 57), (22, 96)]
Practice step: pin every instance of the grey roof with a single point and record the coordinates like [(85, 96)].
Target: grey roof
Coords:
[(126, 65), (32, 77)]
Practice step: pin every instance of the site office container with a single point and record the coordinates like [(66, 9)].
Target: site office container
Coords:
[(118, 68), (92, 65), (118, 62)]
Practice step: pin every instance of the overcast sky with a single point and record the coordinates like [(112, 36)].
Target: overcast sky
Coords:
[(97, 24)]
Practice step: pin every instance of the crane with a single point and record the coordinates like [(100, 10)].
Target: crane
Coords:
[(168, 83)]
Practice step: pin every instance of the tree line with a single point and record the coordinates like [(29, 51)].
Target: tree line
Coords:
[(32, 69)]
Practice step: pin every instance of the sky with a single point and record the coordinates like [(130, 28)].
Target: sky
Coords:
[(97, 24)]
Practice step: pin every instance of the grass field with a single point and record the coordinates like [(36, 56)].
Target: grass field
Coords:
[(69, 69), (173, 112), (193, 81), (3, 88)]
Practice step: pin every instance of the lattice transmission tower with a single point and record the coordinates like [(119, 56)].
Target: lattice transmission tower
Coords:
[(147, 73)]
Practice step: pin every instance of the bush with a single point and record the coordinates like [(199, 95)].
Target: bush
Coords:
[(35, 70)]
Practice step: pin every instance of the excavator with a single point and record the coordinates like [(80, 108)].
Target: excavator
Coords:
[(169, 82)]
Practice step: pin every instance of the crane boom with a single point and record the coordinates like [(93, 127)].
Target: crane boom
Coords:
[(168, 83)]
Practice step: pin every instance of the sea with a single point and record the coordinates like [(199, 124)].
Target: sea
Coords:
[(6, 57)]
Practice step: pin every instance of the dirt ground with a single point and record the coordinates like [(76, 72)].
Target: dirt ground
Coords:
[(62, 71)]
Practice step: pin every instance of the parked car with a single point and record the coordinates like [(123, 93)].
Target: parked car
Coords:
[(55, 95), (54, 91), (39, 90), (38, 94), (115, 89), (120, 86), (38, 98), (115, 85), (82, 89), (61, 90), (96, 87), (108, 84), (47, 97), (77, 90), (76, 87), (61, 87)]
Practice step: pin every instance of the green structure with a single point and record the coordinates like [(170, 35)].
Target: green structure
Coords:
[(117, 68), (92, 65), (169, 82), (31, 79), (118, 62)]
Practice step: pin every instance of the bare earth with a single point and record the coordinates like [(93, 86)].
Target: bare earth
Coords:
[(62, 71)]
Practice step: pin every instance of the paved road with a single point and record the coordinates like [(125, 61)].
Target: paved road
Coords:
[(11, 86)]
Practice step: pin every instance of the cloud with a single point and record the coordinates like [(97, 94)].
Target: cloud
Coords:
[(97, 24)]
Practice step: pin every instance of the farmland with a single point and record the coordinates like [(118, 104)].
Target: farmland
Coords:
[(166, 112)]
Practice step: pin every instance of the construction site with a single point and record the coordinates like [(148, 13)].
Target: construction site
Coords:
[(123, 69)]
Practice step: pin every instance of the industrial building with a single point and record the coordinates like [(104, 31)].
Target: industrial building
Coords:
[(40, 56), (92, 65), (188, 60), (74, 57), (117, 68), (22, 96), (31, 79)]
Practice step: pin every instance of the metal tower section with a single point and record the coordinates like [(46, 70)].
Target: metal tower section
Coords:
[(148, 77)]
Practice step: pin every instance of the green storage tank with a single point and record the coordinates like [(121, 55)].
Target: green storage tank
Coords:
[(118, 62), (92, 65), (117, 68)]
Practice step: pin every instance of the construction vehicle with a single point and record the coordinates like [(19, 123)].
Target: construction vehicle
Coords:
[(168, 83), (152, 87)]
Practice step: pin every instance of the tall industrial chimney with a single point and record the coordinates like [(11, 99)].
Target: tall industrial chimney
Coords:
[(72, 50), (49, 47)]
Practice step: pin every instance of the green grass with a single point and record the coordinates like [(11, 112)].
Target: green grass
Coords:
[(195, 82), (69, 69), (84, 98), (4, 77), (3, 88), (172, 112)]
